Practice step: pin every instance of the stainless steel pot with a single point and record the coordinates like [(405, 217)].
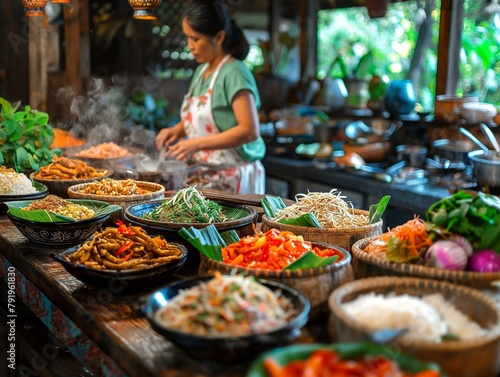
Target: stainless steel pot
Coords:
[(486, 168), (454, 150)]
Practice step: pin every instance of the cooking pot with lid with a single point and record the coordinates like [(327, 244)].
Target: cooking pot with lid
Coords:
[(454, 150)]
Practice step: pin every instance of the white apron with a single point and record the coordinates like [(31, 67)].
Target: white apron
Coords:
[(226, 170)]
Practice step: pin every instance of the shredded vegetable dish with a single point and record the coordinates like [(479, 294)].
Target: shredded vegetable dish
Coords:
[(329, 363), (226, 306), (188, 205), (60, 206), (125, 248), (329, 208), (113, 187), (272, 250)]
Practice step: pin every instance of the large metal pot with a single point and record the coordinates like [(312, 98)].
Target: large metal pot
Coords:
[(486, 168), (454, 150)]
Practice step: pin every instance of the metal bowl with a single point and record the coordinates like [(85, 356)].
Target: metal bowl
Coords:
[(486, 167), (454, 150)]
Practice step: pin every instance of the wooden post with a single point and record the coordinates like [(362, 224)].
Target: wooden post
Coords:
[(77, 44), (308, 38)]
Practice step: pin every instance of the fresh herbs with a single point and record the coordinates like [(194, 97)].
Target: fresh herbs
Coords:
[(188, 206), (477, 218), (25, 138), (377, 210)]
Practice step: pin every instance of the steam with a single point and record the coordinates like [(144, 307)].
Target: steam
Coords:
[(100, 116)]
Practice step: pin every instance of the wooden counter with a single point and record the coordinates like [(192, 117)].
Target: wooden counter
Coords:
[(105, 330)]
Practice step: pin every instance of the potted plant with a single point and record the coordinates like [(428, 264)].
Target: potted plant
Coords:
[(25, 137)]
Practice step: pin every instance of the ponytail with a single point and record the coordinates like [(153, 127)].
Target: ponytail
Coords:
[(211, 17)]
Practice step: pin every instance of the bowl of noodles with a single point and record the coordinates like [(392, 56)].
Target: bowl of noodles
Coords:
[(123, 258), (341, 224), (58, 223), (208, 318)]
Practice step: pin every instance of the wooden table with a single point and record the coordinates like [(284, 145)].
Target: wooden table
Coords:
[(104, 329)]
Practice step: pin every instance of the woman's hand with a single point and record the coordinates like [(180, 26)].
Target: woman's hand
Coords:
[(168, 136), (184, 149)]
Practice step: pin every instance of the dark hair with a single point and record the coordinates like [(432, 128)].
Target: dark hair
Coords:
[(208, 17)]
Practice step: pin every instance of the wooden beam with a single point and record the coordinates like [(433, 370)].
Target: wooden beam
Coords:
[(308, 38), (15, 33), (77, 44), (449, 44)]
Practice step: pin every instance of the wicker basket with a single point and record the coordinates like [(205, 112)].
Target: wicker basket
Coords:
[(60, 187), (156, 192), (344, 238), (315, 283), (467, 358), (368, 265)]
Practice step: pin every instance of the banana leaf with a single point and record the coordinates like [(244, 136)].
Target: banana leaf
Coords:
[(206, 240), (311, 260), (233, 213), (346, 350), (100, 208), (377, 210), (273, 204)]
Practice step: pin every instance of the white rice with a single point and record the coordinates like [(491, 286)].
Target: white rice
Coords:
[(12, 183), (427, 318)]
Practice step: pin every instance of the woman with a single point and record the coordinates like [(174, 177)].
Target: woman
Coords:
[(219, 124)]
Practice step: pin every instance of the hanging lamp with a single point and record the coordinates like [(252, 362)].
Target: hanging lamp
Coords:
[(145, 9), (34, 8)]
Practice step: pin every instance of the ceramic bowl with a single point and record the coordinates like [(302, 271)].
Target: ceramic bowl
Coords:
[(125, 281), (227, 349), (62, 234), (477, 357), (60, 187)]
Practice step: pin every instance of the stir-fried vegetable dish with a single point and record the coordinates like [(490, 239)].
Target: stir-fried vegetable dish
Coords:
[(329, 363), (188, 205), (272, 250), (330, 209), (124, 248), (226, 306), (60, 206)]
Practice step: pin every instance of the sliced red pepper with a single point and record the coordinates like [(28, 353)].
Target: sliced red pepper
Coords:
[(127, 245), (123, 229), (128, 256)]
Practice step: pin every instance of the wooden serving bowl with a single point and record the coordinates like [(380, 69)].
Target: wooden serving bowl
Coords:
[(343, 238), (368, 265), (315, 283), (155, 192), (60, 187), (465, 358)]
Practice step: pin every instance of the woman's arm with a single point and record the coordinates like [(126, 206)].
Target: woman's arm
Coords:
[(246, 130)]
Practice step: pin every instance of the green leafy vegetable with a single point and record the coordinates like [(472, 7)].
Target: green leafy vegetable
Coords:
[(377, 210), (311, 260)]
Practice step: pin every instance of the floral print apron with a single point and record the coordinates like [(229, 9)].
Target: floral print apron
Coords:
[(223, 167)]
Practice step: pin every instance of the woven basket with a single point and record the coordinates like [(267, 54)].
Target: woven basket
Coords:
[(156, 191), (315, 283), (368, 265), (60, 187), (467, 358), (344, 238)]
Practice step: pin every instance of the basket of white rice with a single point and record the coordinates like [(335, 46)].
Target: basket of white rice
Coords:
[(454, 326), (17, 186)]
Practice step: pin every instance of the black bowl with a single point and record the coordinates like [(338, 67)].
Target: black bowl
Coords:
[(59, 235), (227, 349), (41, 192), (125, 281)]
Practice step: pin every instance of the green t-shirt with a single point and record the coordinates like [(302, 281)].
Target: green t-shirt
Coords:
[(233, 77)]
